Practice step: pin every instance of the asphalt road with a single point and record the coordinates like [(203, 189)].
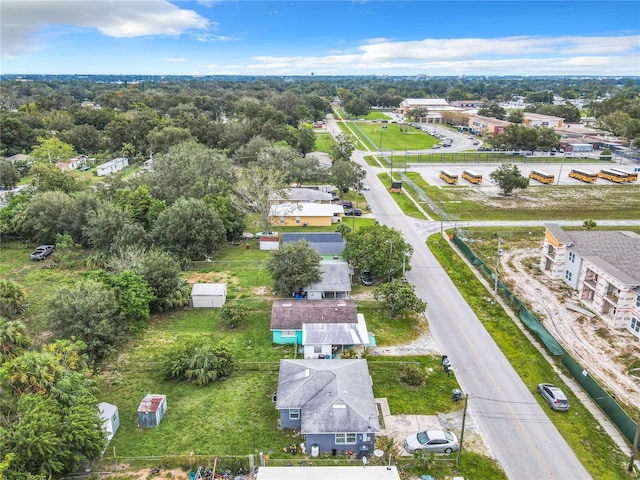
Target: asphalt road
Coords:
[(518, 431)]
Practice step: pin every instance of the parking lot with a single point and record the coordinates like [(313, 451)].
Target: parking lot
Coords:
[(560, 170)]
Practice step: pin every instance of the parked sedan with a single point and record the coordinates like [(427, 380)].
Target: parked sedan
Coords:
[(42, 252), (437, 441), (555, 397)]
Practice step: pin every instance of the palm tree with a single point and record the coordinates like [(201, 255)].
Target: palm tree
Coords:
[(13, 339), (11, 298), (32, 372), (589, 224)]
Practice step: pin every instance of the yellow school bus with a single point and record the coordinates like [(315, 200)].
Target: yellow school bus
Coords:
[(471, 176), (631, 176), (541, 176), (613, 175), (449, 177), (583, 175)]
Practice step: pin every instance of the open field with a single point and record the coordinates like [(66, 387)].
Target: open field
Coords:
[(323, 141), (538, 202), (394, 136)]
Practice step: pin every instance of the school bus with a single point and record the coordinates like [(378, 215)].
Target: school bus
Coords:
[(583, 175), (631, 176), (613, 175), (450, 178), (472, 176), (541, 176)]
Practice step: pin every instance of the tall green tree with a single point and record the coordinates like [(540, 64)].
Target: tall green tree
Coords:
[(163, 274), (294, 266), (346, 174), (509, 178), (52, 150), (399, 297), (189, 229), (378, 249), (341, 148), (255, 189), (89, 312), (9, 176)]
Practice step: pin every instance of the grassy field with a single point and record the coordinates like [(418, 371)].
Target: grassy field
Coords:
[(394, 136), (377, 116), (596, 451), (324, 140), (403, 200)]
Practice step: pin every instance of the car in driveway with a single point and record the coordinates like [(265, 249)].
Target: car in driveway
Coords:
[(366, 278), (554, 397), (434, 441), (42, 252), (259, 235), (353, 212)]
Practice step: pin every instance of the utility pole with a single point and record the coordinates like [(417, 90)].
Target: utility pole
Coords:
[(498, 253), (464, 418), (390, 256)]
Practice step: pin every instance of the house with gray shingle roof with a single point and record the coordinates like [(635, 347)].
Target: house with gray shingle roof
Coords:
[(335, 282), (331, 402), (329, 245), (603, 266)]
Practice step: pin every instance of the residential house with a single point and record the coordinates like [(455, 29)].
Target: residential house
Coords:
[(329, 245), (112, 166), (306, 214), (335, 282), (72, 164), (331, 403), (322, 327), (603, 266), (302, 195)]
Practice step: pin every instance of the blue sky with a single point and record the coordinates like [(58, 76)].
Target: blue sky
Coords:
[(217, 37)]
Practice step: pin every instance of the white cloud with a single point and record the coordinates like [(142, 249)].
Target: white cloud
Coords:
[(174, 59), (525, 55), (22, 20)]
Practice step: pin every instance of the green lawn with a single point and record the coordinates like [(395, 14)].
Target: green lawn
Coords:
[(377, 116), (595, 450), (394, 137), (324, 141), (403, 200)]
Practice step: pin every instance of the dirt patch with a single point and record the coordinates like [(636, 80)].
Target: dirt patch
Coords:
[(597, 347), (211, 277), (172, 474)]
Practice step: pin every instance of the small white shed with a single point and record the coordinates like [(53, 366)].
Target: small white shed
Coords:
[(208, 295), (110, 419)]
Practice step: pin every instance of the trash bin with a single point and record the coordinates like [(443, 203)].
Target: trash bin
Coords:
[(315, 450), (364, 451), (456, 395)]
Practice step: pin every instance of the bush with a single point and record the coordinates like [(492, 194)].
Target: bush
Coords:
[(233, 314), (412, 376), (199, 364)]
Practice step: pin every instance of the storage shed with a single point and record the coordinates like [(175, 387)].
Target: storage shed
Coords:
[(110, 419), (208, 295), (151, 410), (396, 187)]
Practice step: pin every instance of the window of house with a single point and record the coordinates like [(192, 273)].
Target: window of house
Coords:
[(568, 275), (282, 220), (635, 324), (288, 333), (345, 438), (572, 257), (317, 349), (297, 219), (638, 301), (294, 414)]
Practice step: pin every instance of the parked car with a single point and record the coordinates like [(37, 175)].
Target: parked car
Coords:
[(437, 441), (365, 187), (366, 278), (42, 252), (353, 212), (555, 397), (259, 235), (84, 168), (437, 145), (346, 204)]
